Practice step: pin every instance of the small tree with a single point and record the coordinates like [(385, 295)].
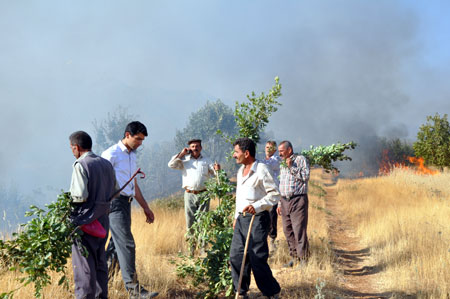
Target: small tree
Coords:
[(433, 141)]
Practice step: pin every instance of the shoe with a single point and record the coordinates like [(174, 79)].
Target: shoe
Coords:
[(244, 296), (289, 264), (141, 293), (276, 296)]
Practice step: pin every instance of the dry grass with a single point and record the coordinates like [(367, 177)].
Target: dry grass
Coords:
[(404, 219)]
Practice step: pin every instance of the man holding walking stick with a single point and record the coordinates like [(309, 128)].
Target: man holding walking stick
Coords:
[(256, 194)]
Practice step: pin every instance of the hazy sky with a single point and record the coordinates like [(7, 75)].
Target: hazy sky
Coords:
[(348, 69)]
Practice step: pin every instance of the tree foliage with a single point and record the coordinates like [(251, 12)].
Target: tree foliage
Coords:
[(203, 124), (43, 245), (433, 141), (111, 129)]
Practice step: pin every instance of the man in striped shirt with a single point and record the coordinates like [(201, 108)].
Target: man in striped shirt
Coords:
[(294, 176)]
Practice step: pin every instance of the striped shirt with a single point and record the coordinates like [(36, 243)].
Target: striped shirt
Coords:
[(294, 179)]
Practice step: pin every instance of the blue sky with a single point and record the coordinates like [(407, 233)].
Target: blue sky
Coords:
[(348, 69)]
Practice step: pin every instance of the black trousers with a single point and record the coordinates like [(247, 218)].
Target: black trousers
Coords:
[(91, 273), (257, 254), (273, 222)]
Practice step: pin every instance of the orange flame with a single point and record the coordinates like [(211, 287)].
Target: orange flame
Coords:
[(421, 168)]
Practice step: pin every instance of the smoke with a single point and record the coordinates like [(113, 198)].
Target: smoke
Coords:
[(350, 70)]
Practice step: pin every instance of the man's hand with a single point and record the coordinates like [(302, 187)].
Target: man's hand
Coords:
[(289, 162), (234, 223), (183, 153), (249, 209), (150, 216), (279, 211)]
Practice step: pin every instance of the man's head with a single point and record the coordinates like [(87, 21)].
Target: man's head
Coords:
[(80, 142), (271, 148), (244, 151), (134, 135), (195, 146), (285, 149)]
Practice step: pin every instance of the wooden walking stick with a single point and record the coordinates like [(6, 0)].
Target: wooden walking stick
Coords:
[(245, 255)]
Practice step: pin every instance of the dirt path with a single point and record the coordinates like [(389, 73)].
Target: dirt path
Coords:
[(358, 275)]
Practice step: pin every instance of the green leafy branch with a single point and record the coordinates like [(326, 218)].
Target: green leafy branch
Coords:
[(324, 156), (42, 246)]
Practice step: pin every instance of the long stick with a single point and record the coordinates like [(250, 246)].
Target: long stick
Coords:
[(245, 255), (132, 177)]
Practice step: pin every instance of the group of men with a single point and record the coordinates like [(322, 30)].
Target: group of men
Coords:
[(266, 188)]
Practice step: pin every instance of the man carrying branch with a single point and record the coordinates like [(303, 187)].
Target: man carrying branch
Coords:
[(293, 207), (93, 183), (256, 194)]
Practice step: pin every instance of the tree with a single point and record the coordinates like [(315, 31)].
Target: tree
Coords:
[(110, 130), (204, 124), (433, 141)]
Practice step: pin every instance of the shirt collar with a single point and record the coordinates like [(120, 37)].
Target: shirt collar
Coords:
[(122, 146), (89, 153), (252, 171)]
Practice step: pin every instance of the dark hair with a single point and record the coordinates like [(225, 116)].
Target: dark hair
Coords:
[(195, 140), (82, 139), (272, 142), (287, 144), (135, 127), (246, 144)]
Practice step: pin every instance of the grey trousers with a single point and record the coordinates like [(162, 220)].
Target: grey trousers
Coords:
[(295, 223), (122, 240), (257, 255), (91, 273), (191, 205)]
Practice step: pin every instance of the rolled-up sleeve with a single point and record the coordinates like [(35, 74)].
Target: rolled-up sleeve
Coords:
[(301, 171), (79, 184), (272, 194), (175, 163)]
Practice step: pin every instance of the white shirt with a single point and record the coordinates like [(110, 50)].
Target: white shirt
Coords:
[(194, 171), (257, 188), (274, 165), (124, 163), (78, 185)]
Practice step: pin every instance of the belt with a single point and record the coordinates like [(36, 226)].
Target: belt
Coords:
[(195, 191), (288, 198), (257, 214), (126, 197)]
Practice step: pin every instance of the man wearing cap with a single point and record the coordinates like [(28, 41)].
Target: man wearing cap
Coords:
[(196, 169)]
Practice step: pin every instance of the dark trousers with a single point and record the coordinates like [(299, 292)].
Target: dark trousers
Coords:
[(257, 254), (273, 222), (122, 241), (294, 213), (91, 273)]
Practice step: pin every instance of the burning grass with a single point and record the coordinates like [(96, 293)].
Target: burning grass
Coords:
[(403, 217)]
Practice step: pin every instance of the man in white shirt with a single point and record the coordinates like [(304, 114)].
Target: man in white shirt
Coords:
[(256, 194), (272, 160), (196, 169), (123, 158)]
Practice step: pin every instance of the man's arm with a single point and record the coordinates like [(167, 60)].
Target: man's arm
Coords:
[(140, 199), (78, 186), (301, 171), (175, 162), (270, 199)]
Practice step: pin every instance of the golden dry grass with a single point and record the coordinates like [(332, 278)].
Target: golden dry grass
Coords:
[(404, 219)]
